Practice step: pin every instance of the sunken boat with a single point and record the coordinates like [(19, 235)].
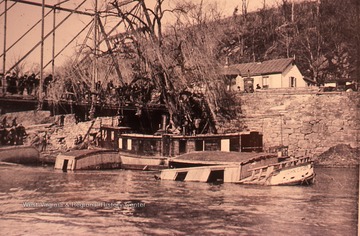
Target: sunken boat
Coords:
[(20, 154), (242, 168)]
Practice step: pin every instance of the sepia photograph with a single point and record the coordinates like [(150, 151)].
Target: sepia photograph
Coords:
[(179, 117)]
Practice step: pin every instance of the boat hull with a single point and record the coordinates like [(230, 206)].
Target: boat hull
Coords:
[(88, 160), (142, 163), (26, 155), (298, 175), (293, 172)]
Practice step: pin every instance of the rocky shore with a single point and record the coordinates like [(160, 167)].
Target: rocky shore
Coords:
[(60, 138), (341, 155)]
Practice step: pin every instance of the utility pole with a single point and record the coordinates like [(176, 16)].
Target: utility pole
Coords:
[(95, 75), (244, 15), (42, 56), (53, 44), (4, 57)]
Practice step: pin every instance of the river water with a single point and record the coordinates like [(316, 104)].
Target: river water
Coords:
[(42, 201)]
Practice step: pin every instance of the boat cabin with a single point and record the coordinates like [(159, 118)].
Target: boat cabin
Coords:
[(169, 145), (110, 136)]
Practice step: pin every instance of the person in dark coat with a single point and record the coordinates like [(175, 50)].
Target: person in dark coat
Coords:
[(62, 120), (21, 84), (30, 83), (3, 134), (20, 134), (8, 83), (46, 84), (14, 123), (44, 141), (11, 136)]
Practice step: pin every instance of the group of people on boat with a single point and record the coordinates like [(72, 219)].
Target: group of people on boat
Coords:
[(13, 134), (188, 125)]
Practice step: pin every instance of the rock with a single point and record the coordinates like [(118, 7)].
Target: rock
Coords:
[(339, 155)]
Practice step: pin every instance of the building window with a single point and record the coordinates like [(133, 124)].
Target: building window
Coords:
[(265, 81), (292, 82)]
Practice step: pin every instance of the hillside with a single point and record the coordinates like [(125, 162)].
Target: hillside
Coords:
[(323, 37)]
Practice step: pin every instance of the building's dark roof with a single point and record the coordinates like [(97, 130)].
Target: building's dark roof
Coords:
[(308, 80), (228, 71), (263, 68)]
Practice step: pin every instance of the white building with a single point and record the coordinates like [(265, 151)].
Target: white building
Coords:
[(278, 73)]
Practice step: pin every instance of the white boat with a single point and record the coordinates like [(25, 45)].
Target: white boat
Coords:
[(293, 172), (260, 169)]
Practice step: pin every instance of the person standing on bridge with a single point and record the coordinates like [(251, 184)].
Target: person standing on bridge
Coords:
[(46, 84), (30, 84)]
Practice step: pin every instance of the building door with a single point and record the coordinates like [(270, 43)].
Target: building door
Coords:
[(249, 85), (65, 165), (182, 146)]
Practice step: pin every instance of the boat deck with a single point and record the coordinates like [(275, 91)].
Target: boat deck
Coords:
[(84, 152), (218, 156)]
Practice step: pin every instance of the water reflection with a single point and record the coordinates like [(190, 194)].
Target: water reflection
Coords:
[(143, 205)]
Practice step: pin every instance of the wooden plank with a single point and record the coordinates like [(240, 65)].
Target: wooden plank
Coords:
[(232, 174), (198, 175), (168, 174)]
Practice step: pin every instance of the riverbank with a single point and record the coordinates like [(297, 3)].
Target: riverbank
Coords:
[(62, 136)]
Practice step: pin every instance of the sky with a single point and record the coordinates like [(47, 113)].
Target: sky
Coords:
[(21, 17)]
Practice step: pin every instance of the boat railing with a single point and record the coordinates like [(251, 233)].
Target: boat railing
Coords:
[(284, 164), (263, 172)]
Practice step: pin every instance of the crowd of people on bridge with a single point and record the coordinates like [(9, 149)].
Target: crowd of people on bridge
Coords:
[(25, 84), (13, 134), (138, 92), (134, 93)]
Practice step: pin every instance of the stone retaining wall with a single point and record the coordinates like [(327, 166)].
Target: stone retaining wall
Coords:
[(309, 123)]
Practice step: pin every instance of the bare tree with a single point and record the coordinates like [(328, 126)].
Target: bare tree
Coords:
[(181, 65), (19, 69)]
